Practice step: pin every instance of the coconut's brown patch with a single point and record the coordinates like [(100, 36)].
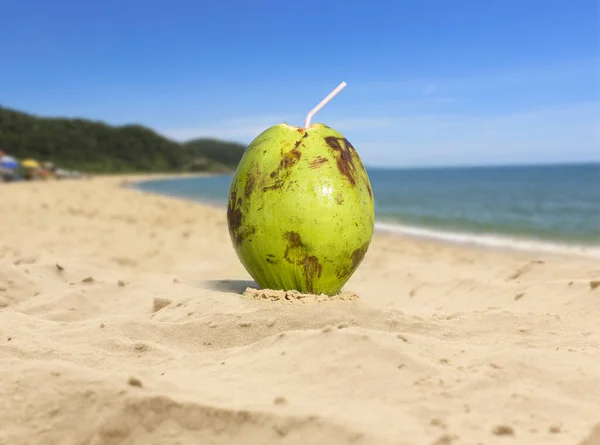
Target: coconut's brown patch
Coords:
[(243, 234), (342, 150), (282, 172), (318, 162), (251, 179), (299, 141), (296, 254), (348, 161), (237, 230), (293, 239), (288, 159), (356, 258), (312, 268), (234, 213), (276, 185)]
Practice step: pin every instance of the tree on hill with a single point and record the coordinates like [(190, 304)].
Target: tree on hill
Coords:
[(97, 147), (212, 153)]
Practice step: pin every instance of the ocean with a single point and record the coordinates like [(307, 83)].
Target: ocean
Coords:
[(551, 208)]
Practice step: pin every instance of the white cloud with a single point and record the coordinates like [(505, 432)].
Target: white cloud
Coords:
[(568, 72), (429, 89), (568, 133), (242, 129), (546, 135), (246, 129)]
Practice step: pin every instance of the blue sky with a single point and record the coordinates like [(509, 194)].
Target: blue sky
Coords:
[(429, 82)]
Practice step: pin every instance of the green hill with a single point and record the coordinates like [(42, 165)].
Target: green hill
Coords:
[(96, 147)]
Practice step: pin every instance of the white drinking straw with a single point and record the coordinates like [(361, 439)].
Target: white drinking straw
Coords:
[(321, 104)]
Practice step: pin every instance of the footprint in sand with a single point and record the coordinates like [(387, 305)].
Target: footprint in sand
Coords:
[(524, 269)]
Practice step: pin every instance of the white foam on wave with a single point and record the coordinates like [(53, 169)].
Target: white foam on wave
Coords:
[(488, 240)]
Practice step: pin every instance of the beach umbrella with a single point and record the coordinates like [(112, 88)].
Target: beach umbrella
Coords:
[(9, 162), (30, 163)]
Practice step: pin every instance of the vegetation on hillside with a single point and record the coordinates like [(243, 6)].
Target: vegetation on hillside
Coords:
[(96, 147)]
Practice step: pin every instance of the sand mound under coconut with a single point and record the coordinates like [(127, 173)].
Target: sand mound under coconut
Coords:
[(293, 296)]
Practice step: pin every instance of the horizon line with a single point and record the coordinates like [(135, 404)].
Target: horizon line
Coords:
[(499, 165)]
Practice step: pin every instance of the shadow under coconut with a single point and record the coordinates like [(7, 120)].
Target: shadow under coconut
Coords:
[(235, 286)]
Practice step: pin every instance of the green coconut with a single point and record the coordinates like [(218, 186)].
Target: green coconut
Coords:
[(301, 212)]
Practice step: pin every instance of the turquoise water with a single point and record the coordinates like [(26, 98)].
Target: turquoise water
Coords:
[(552, 207)]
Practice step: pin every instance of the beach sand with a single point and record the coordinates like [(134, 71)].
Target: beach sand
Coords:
[(124, 320)]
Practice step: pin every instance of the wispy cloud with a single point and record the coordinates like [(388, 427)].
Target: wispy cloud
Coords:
[(498, 90), (493, 118), (429, 89), (560, 134), (546, 134), (242, 129), (574, 70), (245, 129)]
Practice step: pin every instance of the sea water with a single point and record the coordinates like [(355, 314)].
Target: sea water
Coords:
[(555, 207)]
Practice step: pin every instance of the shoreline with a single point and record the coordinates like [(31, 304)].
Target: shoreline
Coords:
[(491, 241)]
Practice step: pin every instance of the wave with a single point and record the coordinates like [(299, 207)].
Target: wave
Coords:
[(488, 240)]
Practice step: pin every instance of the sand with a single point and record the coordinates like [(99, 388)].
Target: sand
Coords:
[(125, 319)]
